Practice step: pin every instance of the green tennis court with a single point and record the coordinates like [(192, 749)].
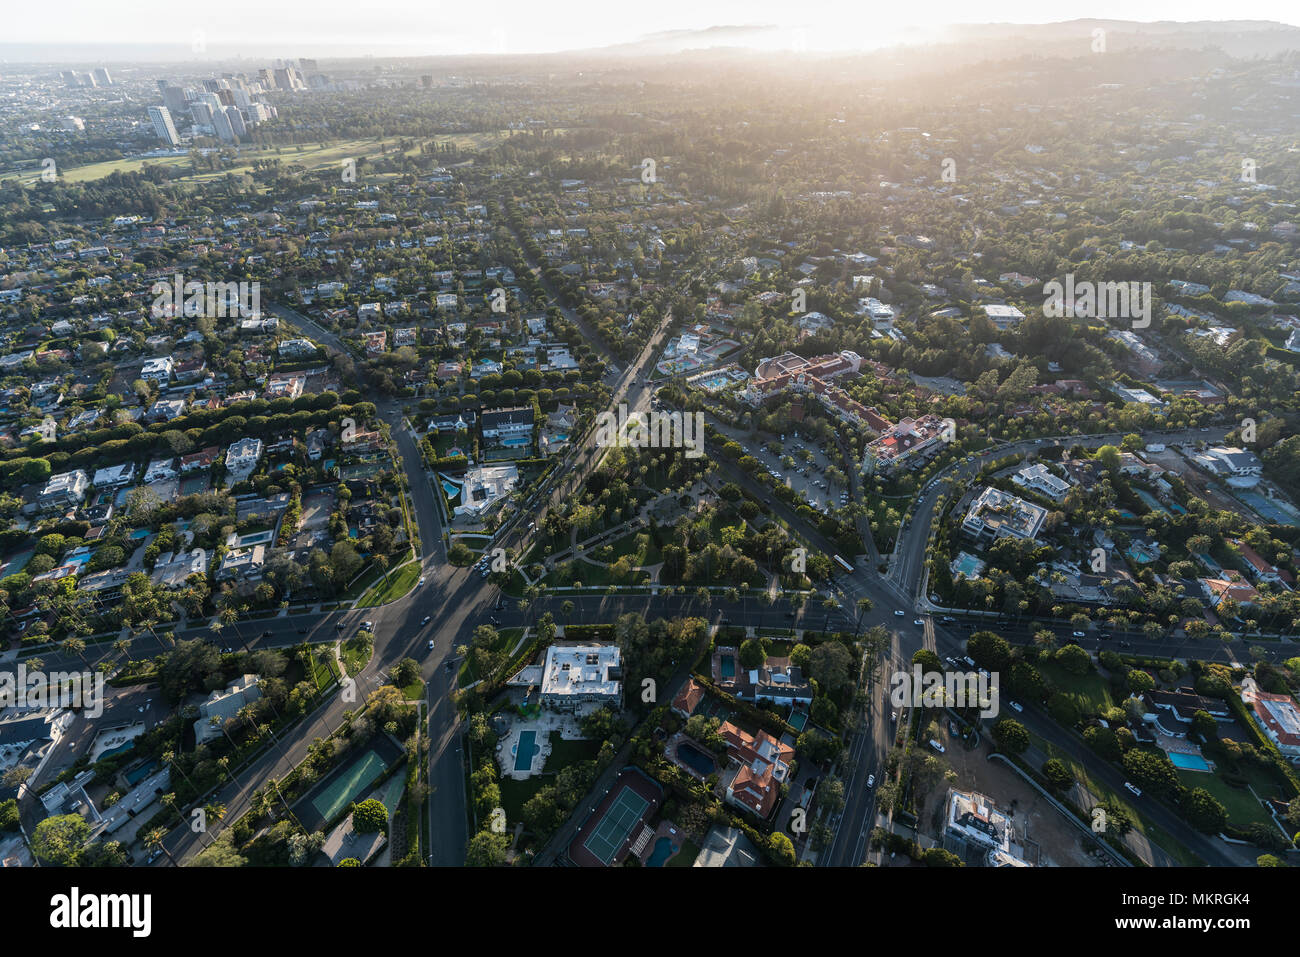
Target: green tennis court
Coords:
[(615, 827)]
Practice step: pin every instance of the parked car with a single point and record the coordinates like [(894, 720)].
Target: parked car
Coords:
[(936, 745)]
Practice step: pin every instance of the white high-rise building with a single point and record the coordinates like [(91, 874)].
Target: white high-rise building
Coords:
[(163, 126)]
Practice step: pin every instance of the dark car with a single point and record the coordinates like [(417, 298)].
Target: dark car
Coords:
[(266, 634)]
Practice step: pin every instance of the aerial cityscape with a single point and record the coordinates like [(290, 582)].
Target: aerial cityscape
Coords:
[(653, 454)]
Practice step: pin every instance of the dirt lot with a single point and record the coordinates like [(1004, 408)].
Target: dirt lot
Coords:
[(1049, 839)]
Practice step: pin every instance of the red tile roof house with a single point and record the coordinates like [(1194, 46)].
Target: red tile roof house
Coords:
[(1260, 570), (764, 763), (1278, 715), (688, 699)]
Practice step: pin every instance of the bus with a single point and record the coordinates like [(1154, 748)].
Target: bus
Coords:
[(847, 566)]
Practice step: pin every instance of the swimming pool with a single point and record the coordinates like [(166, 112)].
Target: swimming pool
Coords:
[(663, 850), (121, 748), (1189, 762), (693, 757), (525, 750), (728, 666), (136, 775)]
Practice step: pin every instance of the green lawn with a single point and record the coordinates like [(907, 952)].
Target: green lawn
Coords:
[(400, 581), (322, 666), (310, 156), (515, 794), (1090, 692), (1243, 809), (591, 576), (507, 638), (414, 691), (356, 652), (644, 552), (686, 856)]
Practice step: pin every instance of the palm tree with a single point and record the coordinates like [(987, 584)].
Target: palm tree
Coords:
[(864, 605), (123, 647), (169, 758), (154, 839), (76, 646), (169, 802)]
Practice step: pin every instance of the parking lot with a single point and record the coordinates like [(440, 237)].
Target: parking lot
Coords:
[(799, 464)]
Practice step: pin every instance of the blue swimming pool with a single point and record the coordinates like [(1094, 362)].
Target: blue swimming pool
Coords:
[(525, 750), (692, 756), (1189, 762), (728, 664), (663, 850)]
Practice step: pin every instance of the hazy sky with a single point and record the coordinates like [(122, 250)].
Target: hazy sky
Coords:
[(530, 26)]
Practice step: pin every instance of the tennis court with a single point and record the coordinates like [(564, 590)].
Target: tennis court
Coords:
[(616, 826)]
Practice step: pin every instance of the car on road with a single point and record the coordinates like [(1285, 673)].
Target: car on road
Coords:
[(339, 626), (871, 780), (1078, 634), (425, 620), (936, 745), (154, 856), (893, 717), (899, 612), (266, 634), (1137, 791), (368, 625), (919, 621), (420, 582), (431, 644), (947, 619), (969, 660), (1104, 636), (1016, 706)]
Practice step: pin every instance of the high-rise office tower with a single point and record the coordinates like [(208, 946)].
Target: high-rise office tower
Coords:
[(163, 126), (174, 99), (236, 120), (102, 76)]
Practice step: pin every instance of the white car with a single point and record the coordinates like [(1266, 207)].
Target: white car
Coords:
[(1016, 705), (425, 620), (1137, 791), (1079, 634), (871, 780), (420, 582), (900, 613), (936, 745), (431, 644), (919, 622)]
